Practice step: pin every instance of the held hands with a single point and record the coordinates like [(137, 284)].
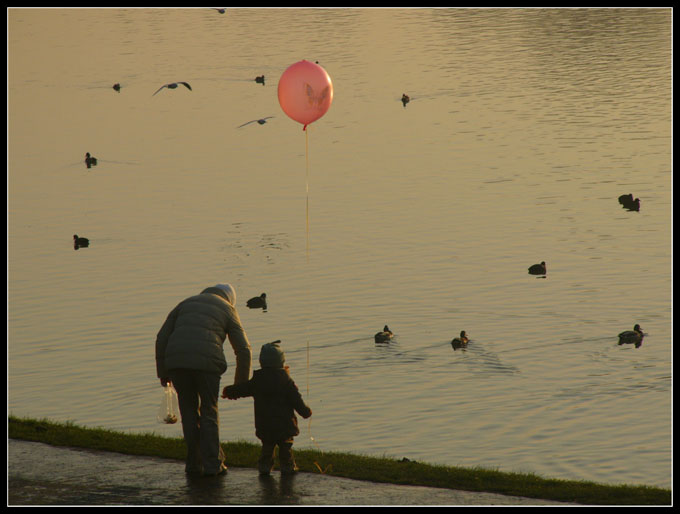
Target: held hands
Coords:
[(226, 393)]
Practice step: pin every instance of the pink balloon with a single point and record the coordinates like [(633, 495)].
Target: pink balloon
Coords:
[(305, 92)]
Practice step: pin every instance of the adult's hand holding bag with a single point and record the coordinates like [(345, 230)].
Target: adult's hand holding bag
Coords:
[(168, 412)]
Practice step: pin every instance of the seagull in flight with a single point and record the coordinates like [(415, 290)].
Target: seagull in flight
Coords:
[(261, 121), (173, 85)]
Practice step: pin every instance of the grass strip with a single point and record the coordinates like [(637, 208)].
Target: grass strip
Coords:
[(348, 465)]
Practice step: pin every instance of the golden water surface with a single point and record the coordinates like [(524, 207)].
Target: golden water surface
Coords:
[(524, 127)]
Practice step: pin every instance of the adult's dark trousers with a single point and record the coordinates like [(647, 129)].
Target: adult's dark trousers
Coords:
[(198, 393)]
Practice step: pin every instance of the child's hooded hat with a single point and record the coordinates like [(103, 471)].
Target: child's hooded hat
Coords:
[(272, 356)]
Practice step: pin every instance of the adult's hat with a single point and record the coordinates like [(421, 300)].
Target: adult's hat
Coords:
[(231, 292)]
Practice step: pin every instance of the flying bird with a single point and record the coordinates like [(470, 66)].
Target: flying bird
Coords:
[(173, 85), (261, 121)]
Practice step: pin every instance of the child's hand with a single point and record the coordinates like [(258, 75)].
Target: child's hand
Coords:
[(227, 392)]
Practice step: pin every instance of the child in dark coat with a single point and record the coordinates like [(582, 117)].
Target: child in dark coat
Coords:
[(276, 399)]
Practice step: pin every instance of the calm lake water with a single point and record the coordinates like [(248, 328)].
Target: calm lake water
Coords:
[(523, 129)]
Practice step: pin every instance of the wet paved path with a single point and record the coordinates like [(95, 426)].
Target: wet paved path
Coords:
[(39, 474)]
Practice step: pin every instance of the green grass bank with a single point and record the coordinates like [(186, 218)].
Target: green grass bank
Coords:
[(348, 465)]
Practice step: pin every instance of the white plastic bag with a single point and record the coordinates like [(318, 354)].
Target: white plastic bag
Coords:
[(169, 410)]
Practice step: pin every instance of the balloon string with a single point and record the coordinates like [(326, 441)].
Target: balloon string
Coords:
[(309, 426), (308, 373), (307, 188), (307, 253), (323, 471)]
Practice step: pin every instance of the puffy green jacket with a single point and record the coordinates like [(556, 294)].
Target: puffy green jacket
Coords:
[(193, 335)]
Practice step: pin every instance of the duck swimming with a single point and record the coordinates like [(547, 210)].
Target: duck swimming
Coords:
[(385, 336), (80, 241), (628, 202), (173, 85), (460, 342), (261, 121), (258, 302), (260, 79), (634, 336), (538, 269), (89, 160), (633, 206), (116, 86), (405, 99), (624, 199)]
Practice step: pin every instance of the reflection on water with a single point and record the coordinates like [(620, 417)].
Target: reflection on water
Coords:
[(278, 492), (524, 127)]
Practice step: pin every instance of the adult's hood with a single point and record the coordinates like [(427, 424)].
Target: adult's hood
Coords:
[(226, 291)]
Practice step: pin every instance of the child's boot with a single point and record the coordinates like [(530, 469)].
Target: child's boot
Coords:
[(265, 464), (286, 459), (264, 467)]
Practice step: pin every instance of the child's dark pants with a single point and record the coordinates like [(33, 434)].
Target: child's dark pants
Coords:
[(286, 459)]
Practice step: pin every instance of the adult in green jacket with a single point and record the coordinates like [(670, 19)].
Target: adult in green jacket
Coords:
[(190, 356)]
